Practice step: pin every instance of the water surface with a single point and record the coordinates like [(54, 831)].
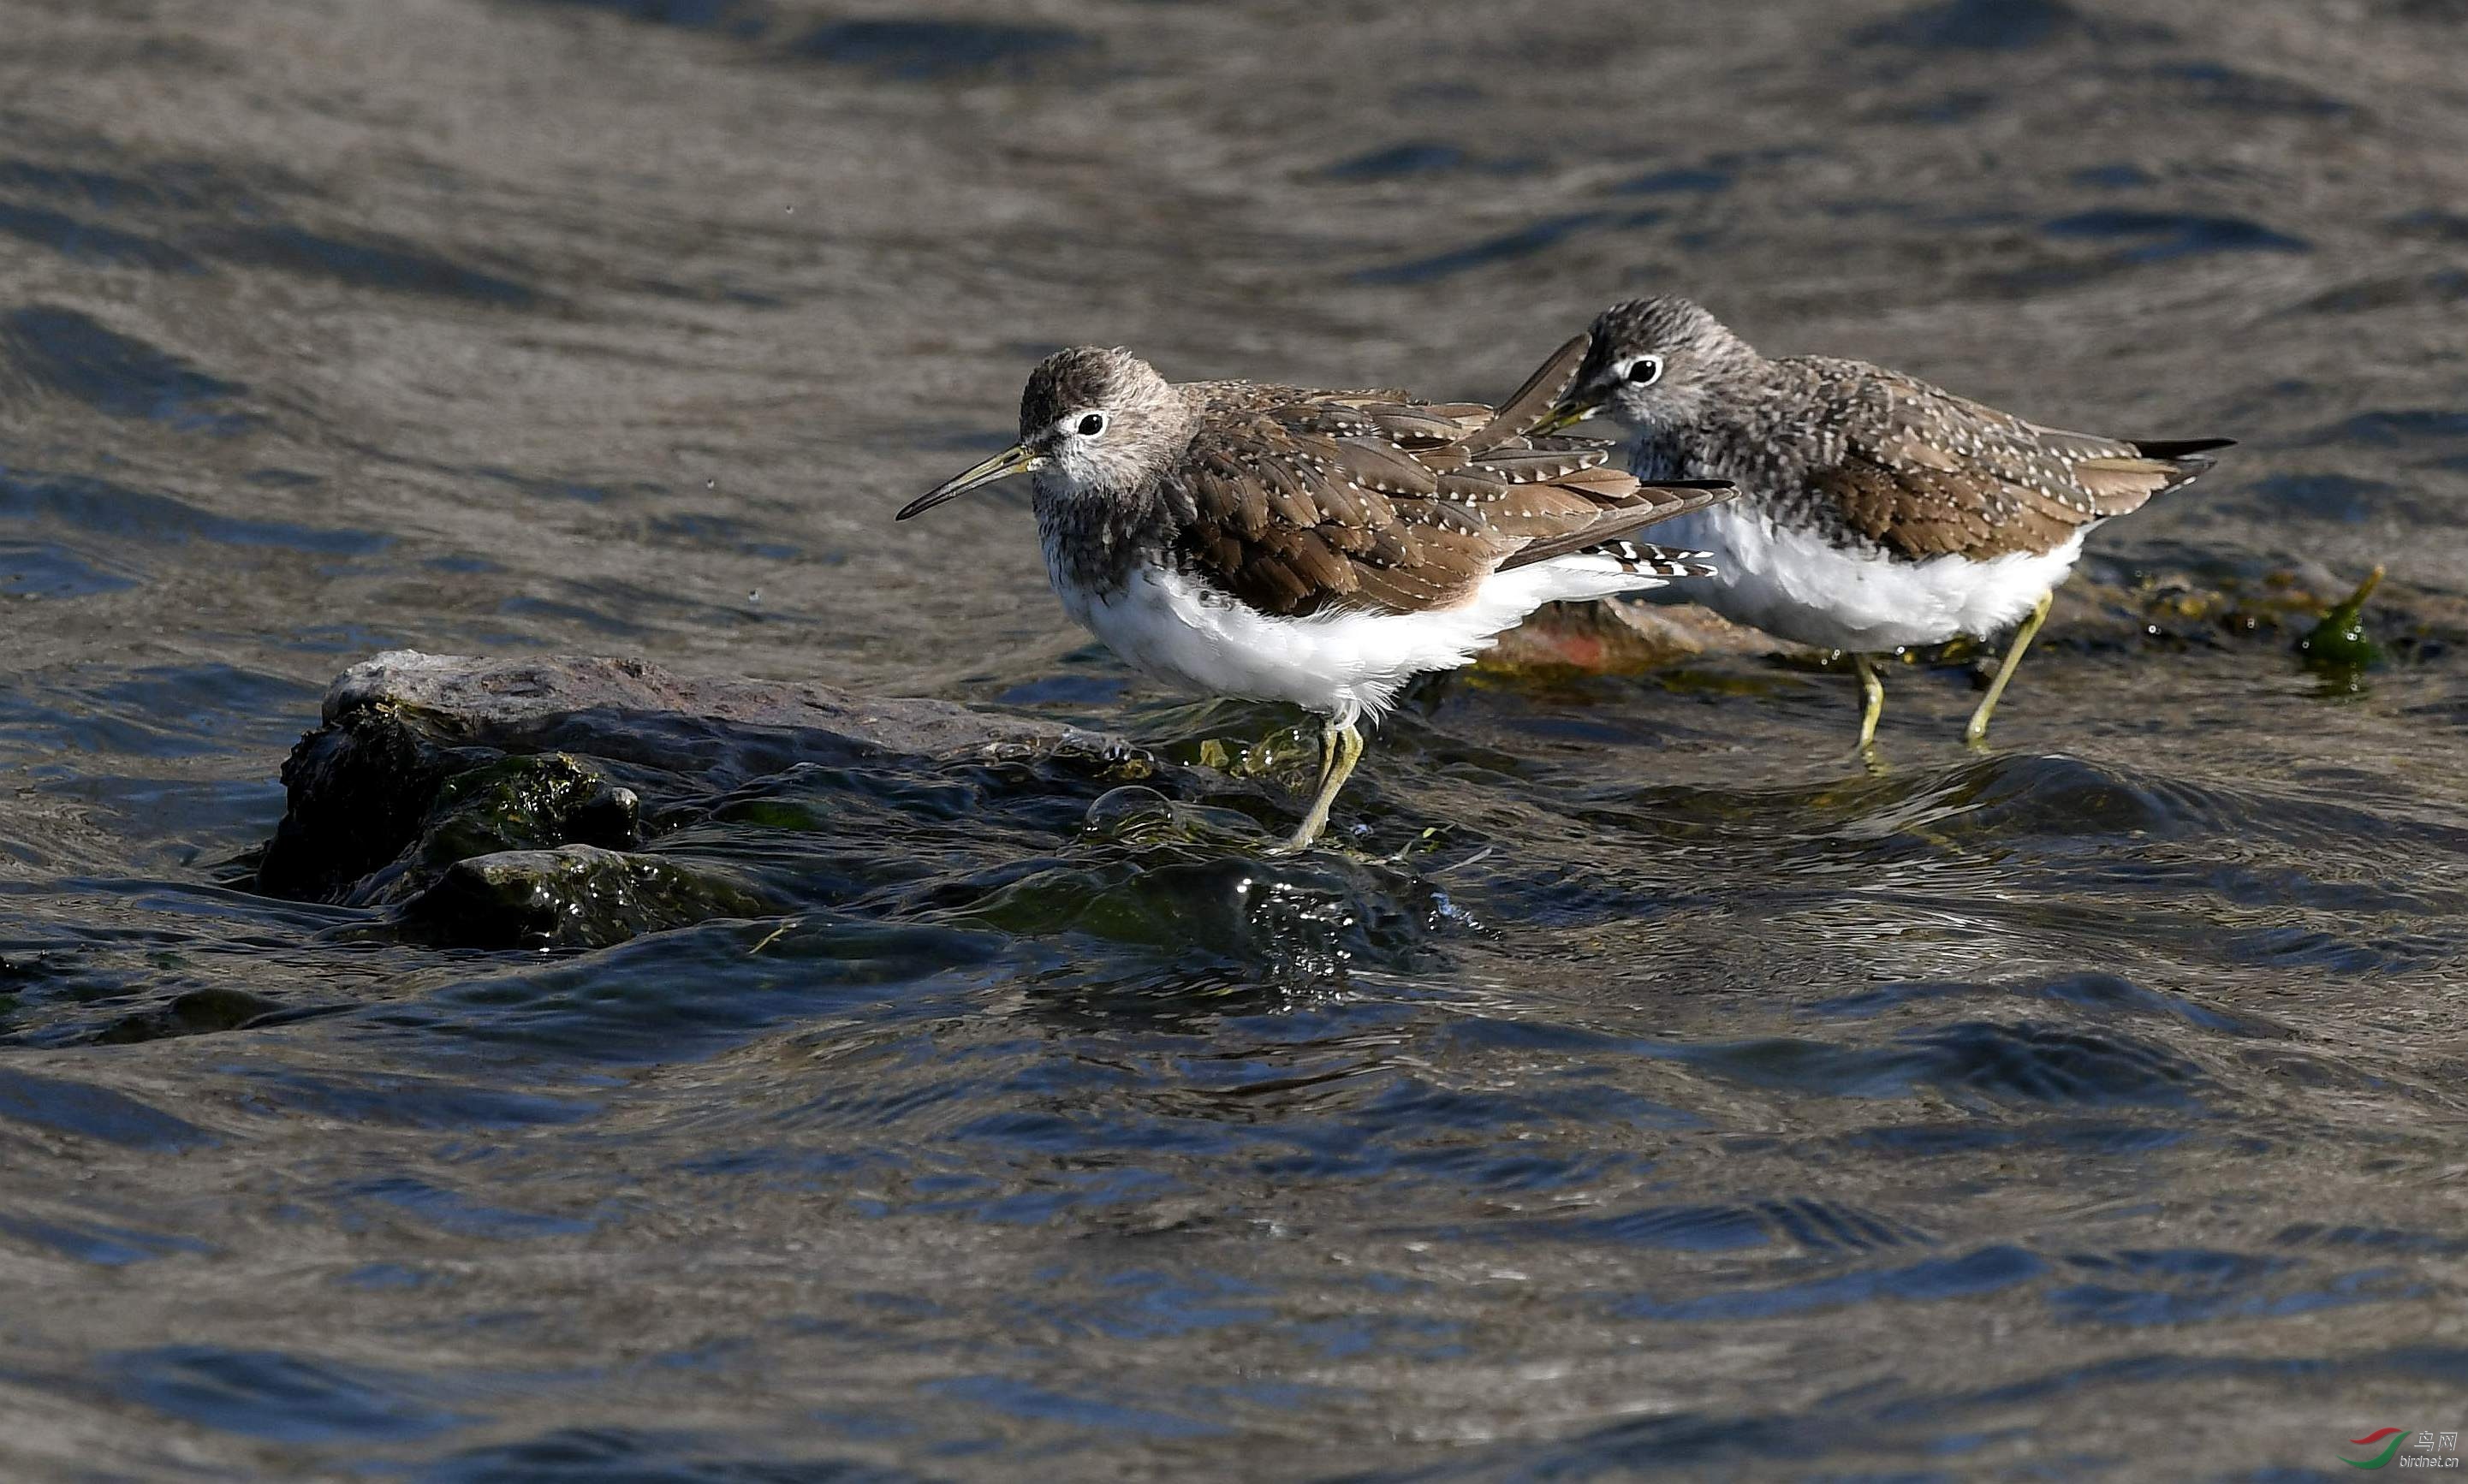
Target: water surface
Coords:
[(1647, 1090)]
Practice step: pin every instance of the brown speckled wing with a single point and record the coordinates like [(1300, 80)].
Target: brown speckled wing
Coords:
[(1300, 502), (1293, 522), (1925, 473)]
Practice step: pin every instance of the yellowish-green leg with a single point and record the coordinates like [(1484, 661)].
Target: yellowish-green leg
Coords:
[(1340, 749), (1977, 733), (1327, 756), (1872, 699)]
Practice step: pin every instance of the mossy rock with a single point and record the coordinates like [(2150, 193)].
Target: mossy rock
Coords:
[(574, 896), (505, 802)]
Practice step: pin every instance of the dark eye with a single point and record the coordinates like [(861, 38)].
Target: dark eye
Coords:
[(1645, 371), (1092, 424)]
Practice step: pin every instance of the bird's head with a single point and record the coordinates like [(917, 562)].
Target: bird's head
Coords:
[(1654, 366), (1092, 422)]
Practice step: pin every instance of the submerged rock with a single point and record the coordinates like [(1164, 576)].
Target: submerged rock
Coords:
[(195, 1013), (2167, 609), (1624, 637)]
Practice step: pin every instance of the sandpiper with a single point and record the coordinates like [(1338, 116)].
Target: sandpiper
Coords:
[(1875, 511), (1313, 547)]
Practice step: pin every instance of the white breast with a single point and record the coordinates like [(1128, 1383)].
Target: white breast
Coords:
[(1798, 587), (1345, 665)]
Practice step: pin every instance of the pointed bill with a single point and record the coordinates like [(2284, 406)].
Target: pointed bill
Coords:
[(1018, 459), (1566, 413)]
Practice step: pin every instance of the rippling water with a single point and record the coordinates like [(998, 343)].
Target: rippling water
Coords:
[(1648, 1090)]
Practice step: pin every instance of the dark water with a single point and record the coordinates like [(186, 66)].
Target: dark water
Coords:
[(1677, 1100)]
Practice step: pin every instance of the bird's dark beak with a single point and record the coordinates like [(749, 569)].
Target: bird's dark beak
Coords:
[(1570, 410), (1018, 459)]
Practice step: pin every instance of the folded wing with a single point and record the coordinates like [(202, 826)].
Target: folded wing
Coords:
[(1926, 474), (1299, 502)]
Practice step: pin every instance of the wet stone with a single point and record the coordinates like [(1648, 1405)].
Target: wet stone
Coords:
[(574, 896), (499, 803), (514, 804)]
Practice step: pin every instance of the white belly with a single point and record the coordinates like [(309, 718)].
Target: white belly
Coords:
[(1344, 665), (1796, 586)]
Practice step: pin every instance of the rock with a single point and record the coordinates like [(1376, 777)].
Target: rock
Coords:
[(356, 792), (196, 1012), (513, 792), (574, 896), (527, 803), (1625, 636)]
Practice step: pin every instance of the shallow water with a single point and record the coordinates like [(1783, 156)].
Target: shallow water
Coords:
[(1648, 1090)]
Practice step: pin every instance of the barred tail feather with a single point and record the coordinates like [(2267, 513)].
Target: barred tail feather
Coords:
[(1644, 560), (1612, 569)]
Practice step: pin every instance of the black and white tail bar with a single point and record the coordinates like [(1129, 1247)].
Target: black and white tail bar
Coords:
[(1655, 560)]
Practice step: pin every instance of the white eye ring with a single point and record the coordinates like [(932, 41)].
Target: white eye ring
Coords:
[(1644, 370), (1085, 424)]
